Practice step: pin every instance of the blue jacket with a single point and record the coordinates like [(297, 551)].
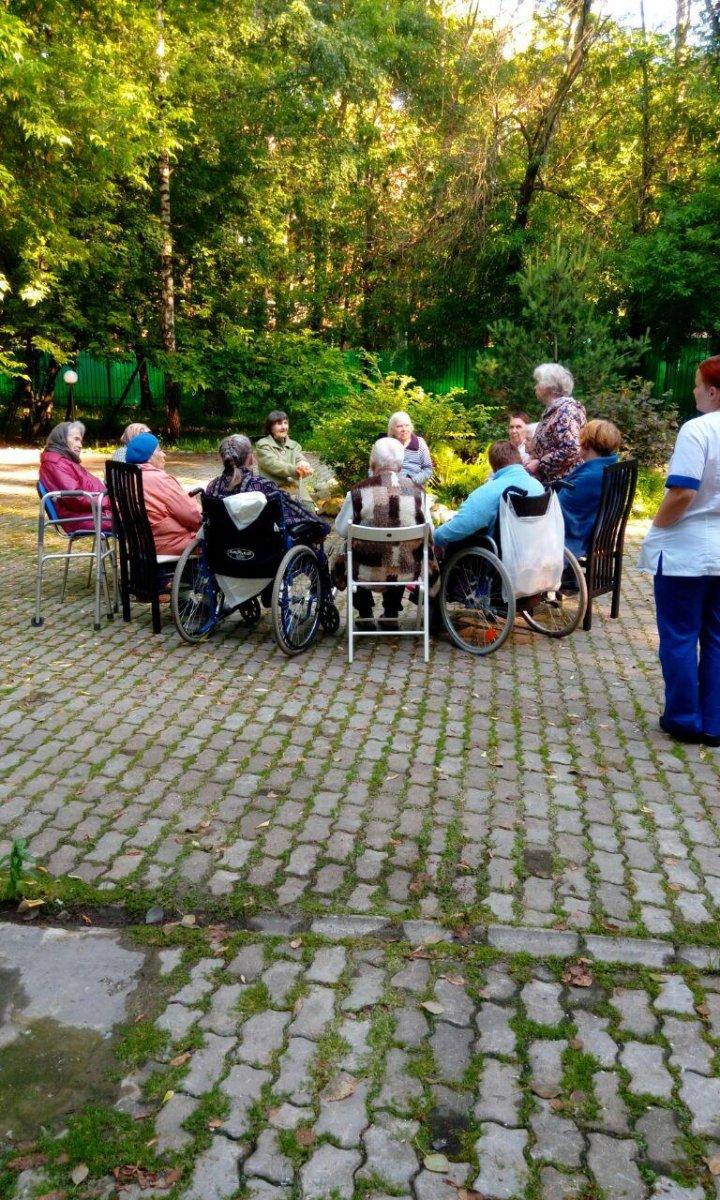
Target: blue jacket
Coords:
[(481, 508), (580, 504)]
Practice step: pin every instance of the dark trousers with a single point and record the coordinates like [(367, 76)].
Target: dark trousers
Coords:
[(688, 615), (364, 602)]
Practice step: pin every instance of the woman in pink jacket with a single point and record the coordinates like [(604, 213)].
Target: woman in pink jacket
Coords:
[(174, 516), (61, 471)]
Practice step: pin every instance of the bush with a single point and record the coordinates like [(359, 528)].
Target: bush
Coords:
[(236, 379), (453, 478), (649, 493), (344, 440), (648, 423)]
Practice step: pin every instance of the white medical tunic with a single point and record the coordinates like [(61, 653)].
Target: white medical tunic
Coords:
[(692, 545)]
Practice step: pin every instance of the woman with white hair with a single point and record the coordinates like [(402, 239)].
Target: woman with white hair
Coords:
[(134, 429), (556, 441), (417, 463), (385, 499)]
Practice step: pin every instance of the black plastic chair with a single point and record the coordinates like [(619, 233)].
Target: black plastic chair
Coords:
[(604, 559), (143, 572)]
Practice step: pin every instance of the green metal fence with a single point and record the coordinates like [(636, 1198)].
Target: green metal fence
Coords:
[(102, 382)]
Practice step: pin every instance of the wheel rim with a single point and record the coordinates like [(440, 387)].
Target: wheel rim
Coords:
[(557, 614), (196, 600), (476, 602), (299, 600)]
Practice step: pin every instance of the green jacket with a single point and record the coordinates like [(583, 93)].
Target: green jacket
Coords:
[(278, 461)]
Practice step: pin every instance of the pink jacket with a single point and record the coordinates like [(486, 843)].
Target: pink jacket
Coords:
[(174, 516), (59, 474)]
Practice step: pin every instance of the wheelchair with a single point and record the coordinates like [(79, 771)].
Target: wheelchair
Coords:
[(228, 570), (477, 602)]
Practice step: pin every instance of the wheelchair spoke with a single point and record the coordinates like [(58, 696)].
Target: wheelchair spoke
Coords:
[(476, 600), (297, 597)]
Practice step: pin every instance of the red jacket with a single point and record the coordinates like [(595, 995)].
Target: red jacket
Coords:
[(59, 474)]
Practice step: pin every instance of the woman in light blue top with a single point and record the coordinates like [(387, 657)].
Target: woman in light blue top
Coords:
[(682, 550)]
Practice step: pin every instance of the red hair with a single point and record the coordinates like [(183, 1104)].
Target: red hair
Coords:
[(710, 371)]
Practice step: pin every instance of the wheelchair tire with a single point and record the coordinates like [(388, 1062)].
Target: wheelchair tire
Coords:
[(329, 617), (477, 603), (195, 599), (296, 600), (250, 612), (557, 614)]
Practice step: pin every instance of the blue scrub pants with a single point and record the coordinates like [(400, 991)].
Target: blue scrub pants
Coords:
[(688, 613)]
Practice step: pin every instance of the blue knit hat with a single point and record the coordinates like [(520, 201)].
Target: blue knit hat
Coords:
[(141, 448)]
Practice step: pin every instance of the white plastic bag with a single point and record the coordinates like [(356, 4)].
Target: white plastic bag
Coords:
[(532, 548)]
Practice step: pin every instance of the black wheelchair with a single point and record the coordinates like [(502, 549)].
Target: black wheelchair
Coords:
[(477, 601), (227, 570)]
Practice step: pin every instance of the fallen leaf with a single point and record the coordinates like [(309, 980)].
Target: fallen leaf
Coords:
[(262, 825), (577, 975), (57, 1195), (80, 1173), (305, 1137), (188, 920), (26, 904), (455, 980), (215, 1123), (26, 1162), (713, 1164), (295, 943), (418, 952), (557, 1105), (84, 917), (432, 1006), (168, 1096), (152, 1142), (436, 1162), (170, 1178), (576, 1044), (702, 1010), (180, 1059), (339, 1088)]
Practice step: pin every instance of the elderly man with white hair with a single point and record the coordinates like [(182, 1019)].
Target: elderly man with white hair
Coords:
[(556, 441), (417, 463), (385, 499)]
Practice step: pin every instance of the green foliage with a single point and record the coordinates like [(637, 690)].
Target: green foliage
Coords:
[(648, 423), (345, 439), (16, 868), (238, 378), (453, 478), (650, 491), (559, 321)]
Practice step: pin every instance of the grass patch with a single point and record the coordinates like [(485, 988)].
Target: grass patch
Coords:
[(141, 1042)]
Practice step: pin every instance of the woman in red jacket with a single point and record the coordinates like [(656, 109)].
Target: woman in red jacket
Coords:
[(61, 471)]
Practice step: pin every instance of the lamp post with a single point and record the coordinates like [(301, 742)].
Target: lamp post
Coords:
[(70, 378)]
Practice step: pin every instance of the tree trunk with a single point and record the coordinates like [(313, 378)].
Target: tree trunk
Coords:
[(540, 137), (39, 417), (146, 396), (167, 279)]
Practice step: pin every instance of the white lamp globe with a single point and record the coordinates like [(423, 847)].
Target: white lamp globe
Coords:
[(70, 377)]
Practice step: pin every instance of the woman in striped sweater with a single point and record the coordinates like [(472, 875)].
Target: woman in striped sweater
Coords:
[(417, 463)]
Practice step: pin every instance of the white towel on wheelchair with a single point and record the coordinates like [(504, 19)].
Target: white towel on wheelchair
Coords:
[(242, 509), (245, 508), (532, 548)]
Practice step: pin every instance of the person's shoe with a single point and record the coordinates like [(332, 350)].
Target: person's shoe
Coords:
[(389, 623), (365, 624), (681, 735), (711, 739)]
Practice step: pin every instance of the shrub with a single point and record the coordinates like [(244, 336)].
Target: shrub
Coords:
[(237, 378), (344, 440), (648, 423), (649, 493), (453, 478)]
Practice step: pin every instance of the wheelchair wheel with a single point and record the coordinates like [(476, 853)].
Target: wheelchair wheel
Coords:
[(195, 599), (476, 600), (557, 614), (250, 611), (329, 617), (296, 600)]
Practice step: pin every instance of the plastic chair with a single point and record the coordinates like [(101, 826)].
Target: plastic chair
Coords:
[(102, 549), (143, 572), (391, 536), (604, 559)]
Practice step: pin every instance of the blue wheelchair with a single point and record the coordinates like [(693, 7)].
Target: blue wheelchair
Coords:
[(268, 562)]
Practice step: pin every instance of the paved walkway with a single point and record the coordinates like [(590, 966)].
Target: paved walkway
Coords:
[(514, 804)]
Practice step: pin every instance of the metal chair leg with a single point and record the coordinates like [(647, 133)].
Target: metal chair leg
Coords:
[(37, 620), (67, 565)]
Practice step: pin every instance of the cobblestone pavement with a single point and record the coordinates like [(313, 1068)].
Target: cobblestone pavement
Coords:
[(480, 899)]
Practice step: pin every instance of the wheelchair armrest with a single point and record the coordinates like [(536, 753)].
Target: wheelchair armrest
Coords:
[(198, 491)]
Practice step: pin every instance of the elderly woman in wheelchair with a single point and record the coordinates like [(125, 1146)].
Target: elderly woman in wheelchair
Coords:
[(478, 596), (256, 544)]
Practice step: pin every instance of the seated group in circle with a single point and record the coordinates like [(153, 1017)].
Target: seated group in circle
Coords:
[(561, 446)]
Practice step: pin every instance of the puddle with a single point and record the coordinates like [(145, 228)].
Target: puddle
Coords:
[(51, 1070)]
